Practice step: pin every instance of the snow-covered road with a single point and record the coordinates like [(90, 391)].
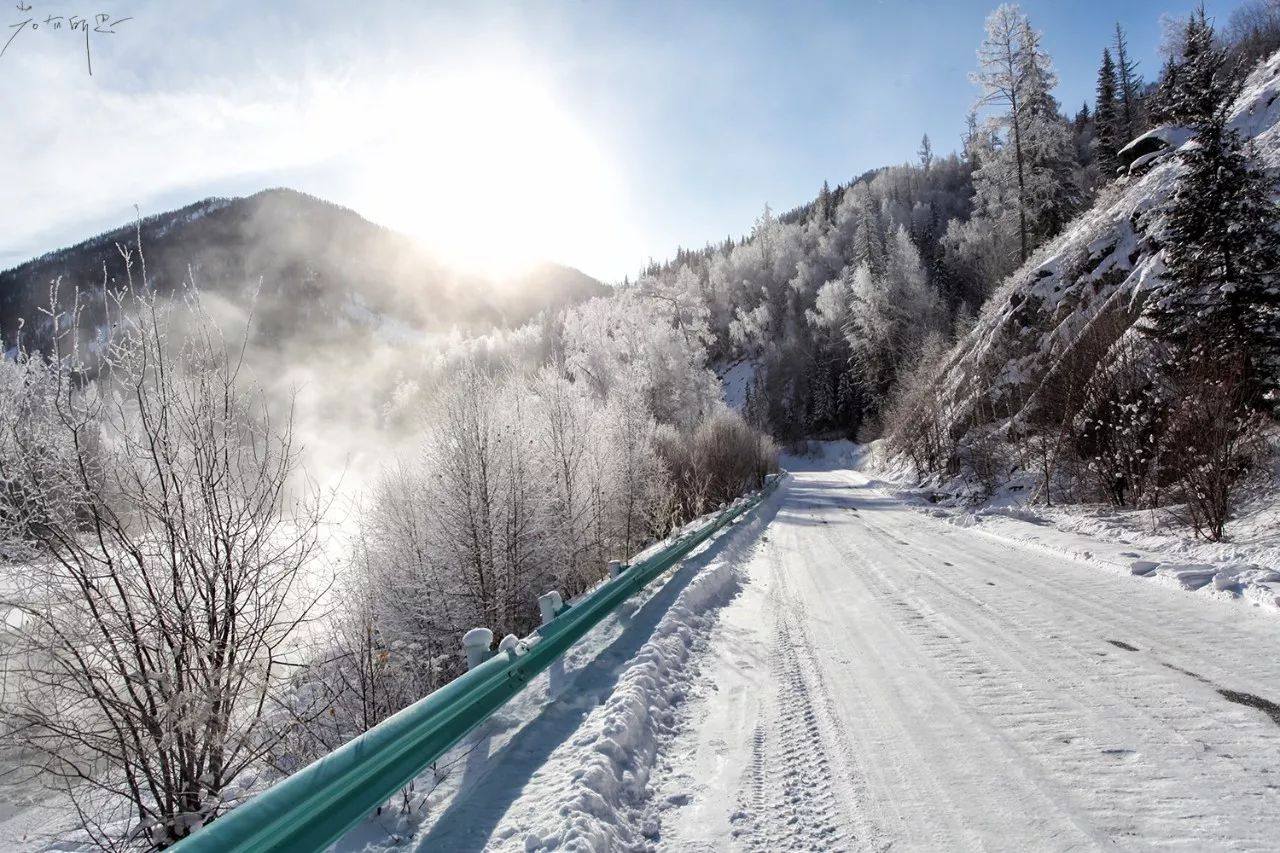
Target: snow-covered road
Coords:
[(888, 681), (843, 672)]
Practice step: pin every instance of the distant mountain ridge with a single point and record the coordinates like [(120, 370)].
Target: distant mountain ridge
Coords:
[(318, 268)]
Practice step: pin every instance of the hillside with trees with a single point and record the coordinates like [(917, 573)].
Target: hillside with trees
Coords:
[(978, 308), (312, 271), (1133, 359)]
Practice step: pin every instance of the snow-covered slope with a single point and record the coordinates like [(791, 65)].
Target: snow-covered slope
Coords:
[(1069, 304), (736, 381)]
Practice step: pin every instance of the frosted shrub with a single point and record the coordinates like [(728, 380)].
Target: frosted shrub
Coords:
[(162, 584), (723, 457), (32, 448), (1216, 440)]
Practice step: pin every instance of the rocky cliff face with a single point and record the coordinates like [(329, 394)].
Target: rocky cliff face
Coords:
[(1060, 317)]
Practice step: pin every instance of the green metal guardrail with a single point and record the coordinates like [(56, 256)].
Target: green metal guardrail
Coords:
[(319, 804)]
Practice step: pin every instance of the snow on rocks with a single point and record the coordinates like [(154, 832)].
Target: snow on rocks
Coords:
[(1098, 271)]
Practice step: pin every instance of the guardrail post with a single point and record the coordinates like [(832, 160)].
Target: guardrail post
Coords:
[(549, 605), (615, 569), (476, 643)]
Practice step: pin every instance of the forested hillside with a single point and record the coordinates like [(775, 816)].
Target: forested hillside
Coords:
[(1087, 248), (1133, 359), (835, 301)]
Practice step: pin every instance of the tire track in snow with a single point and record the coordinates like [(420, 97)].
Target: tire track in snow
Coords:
[(1118, 758), (802, 786)]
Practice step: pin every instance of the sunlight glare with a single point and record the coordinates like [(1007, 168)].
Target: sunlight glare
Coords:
[(489, 170)]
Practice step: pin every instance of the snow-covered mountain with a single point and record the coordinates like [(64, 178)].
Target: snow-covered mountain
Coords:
[(322, 271)]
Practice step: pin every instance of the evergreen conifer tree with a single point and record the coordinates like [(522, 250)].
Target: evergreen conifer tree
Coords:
[(1222, 299), (1128, 90), (1106, 133)]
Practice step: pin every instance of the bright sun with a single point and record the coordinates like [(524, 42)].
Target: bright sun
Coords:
[(491, 171)]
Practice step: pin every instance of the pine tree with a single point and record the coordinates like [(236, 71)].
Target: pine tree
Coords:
[(1082, 135), (824, 206), (1081, 123), (1191, 91), (1051, 196), (1106, 136), (868, 246), (1223, 293), (1129, 89), (926, 153)]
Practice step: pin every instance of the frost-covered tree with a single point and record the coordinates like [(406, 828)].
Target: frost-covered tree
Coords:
[(655, 333), (1023, 183), (889, 315), (484, 499), (1220, 249), (641, 487), (565, 425), (868, 248)]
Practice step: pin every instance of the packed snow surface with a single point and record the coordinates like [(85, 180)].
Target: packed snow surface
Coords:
[(887, 680)]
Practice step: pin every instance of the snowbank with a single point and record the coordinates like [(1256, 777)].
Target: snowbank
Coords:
[(593, 793), (1133, 542), (573, 773)]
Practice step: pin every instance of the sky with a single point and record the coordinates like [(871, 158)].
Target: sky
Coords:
[(596, 134)]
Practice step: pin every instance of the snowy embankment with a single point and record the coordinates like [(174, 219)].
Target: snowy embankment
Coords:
[(1142, 543), (573, 772)]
